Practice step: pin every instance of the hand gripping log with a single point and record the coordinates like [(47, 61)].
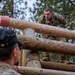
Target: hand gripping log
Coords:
[(40, 28)]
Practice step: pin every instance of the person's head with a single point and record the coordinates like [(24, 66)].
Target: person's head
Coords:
[(9, 45), (48, 13)]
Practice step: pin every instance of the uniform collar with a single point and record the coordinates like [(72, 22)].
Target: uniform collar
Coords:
[(5, 64)]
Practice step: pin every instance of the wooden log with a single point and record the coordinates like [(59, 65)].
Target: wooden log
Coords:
[(38, 71), (40, 28), (23, 57), (20, 59), (45, 45), (58, 66), (32, 58)]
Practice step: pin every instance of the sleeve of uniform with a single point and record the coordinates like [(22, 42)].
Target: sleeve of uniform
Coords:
[(63, 21), (40, 20), (7, 73)]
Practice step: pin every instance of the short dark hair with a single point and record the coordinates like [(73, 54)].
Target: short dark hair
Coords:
[(5, 53), (48, 9)]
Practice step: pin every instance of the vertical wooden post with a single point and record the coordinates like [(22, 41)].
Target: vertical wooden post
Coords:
[(30, 58), (20, 59), (23, 57)]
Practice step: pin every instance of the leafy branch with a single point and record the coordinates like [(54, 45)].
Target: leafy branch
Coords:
[(71, 2)]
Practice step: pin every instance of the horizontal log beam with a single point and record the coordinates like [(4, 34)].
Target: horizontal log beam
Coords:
[(58, 66), (40, 28), (39, 71), (45, 45)]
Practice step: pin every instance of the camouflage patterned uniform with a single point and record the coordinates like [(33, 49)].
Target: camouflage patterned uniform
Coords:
[(56, 20), (6, 69)]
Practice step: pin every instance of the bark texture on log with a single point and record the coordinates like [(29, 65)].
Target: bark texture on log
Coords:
[(45, 45), (40, 28), (38, 71), (58, 66)]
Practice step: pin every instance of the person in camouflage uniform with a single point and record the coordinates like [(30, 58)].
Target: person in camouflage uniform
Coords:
[(9, 52), (54, 19)]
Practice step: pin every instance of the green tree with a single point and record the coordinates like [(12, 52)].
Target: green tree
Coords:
[(64, 7), (14, 8)]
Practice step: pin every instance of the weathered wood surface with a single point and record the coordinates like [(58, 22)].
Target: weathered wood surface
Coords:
[(58, 66), (45, 45), (23, 55), (32, 58), (39, 71), (40, 28), (20, 59)]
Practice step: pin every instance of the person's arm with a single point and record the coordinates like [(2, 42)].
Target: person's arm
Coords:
[(63, 21), (40, 20)]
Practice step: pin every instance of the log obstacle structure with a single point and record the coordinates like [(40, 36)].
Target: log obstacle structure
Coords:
[(40, 44), (32, 58), (45, 45), (39, 71), (58, 66), (40, 28)]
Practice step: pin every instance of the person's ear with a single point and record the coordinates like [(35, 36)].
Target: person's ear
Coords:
[(14, 52)]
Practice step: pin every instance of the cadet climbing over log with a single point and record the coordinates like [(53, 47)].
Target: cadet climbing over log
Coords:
[(54, 19)]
